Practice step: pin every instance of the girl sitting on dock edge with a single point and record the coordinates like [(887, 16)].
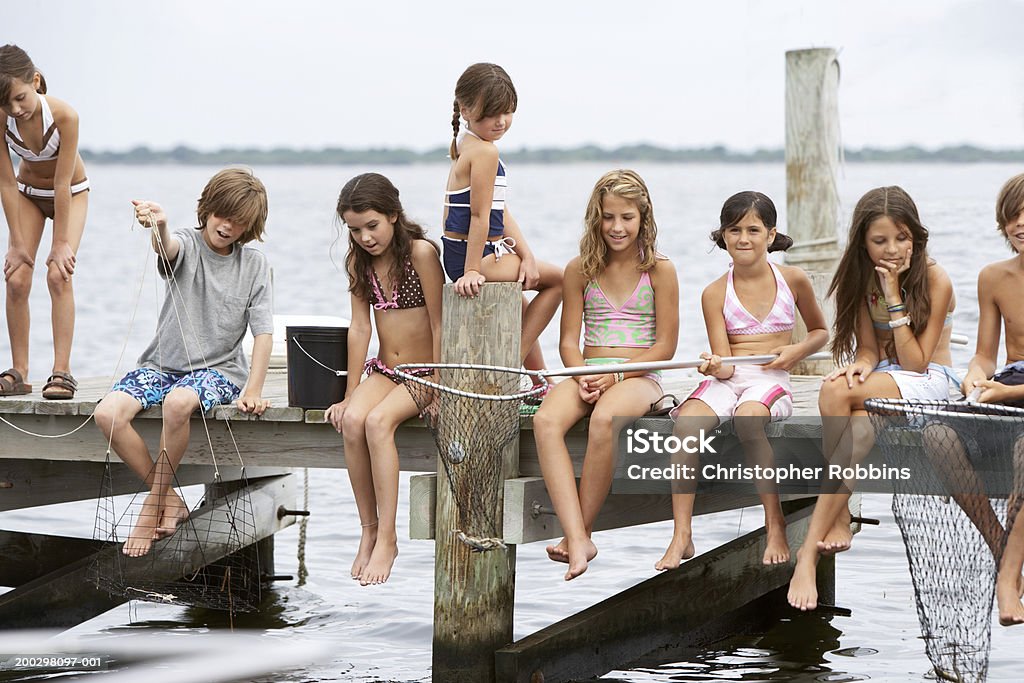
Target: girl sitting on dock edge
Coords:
[(625, 296), (393, 270)]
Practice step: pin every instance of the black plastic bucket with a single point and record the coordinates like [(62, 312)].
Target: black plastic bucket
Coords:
[(317, 364)]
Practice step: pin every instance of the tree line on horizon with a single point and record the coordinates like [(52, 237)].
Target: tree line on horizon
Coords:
[(546, 155)]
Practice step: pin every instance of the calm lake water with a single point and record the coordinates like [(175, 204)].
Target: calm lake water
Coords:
[(384, 632)]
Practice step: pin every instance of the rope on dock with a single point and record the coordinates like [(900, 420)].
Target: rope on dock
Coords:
[(120, 357), (480, 545)]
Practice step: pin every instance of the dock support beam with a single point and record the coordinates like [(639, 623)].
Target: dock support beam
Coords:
[(474, 593), (812, 159)]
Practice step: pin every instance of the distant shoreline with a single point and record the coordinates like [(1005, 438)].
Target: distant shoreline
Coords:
[(398, 156)]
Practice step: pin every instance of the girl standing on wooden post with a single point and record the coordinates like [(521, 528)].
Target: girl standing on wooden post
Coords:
[(482, 241), (894, 316), (50, 183), (625, 296), (393, 270), (749, 311)]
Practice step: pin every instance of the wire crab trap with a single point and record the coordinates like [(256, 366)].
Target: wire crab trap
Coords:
[(954, 512), (473, 413), (210, 560)]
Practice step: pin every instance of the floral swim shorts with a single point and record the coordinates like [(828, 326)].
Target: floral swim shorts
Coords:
[(149, 387)]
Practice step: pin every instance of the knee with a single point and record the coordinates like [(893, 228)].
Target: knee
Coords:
[(379, 425), (19, 285), (353, 424), (56, 283), (545, 424), (833, 396), (600, 424), (178, 408), (749, 421), (107, 415)]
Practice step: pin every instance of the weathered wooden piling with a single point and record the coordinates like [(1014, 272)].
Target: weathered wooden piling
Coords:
[(474, 593), (812, 159)]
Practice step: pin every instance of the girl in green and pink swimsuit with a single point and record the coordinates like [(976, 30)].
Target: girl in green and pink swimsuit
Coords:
[(618, 262)]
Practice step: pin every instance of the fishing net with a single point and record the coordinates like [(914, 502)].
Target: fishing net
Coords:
[(954, 512), (210, 560), (473, 413)]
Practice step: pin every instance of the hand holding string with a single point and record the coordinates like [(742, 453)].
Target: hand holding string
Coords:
[(149, 214)]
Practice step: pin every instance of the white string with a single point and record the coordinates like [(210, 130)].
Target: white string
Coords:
[(120, 357), (174, 289)]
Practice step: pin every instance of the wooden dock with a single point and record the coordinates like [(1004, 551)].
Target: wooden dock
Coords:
[(36, 471), (39, 471), (282, 437)]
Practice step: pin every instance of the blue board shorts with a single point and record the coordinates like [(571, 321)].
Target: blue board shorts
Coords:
[(150, 387)]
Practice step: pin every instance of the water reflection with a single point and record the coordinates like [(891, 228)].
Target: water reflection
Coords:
[(774, 643)]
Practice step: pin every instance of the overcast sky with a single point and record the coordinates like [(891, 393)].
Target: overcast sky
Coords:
[(369, 74)]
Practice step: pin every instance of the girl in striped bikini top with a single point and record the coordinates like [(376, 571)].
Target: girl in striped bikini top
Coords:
[(49, 183)]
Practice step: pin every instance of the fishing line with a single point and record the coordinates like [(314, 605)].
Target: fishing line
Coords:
[(120, 357)]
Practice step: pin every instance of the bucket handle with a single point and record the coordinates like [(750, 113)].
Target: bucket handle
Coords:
[(337, 373)]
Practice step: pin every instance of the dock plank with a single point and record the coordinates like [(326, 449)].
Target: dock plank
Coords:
[(282, 437)]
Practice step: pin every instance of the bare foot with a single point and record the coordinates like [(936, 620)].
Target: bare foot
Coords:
[(144, 532), (777, 549), (839, 538), (378, 569), (580, 554), (803, 588), (173, 513), (1011, 611), (367, 540), (558, 553), (681, 548)]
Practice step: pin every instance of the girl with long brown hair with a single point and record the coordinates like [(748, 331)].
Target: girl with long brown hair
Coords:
[(393, 272), (894, 310)]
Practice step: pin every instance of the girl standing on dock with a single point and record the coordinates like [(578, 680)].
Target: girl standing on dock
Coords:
[(50, 183), (482, 241), (748, 311), (625, 295), (394, 270), (894, 312)]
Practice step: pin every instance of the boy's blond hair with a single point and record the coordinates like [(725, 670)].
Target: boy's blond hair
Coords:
[(238, 195), (1009, 205)]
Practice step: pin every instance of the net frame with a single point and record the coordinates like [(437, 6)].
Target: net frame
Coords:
[(942, 538), (469, 441)]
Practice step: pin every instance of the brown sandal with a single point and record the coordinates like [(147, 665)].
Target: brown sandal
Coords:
[(13, 384), (60, 386)]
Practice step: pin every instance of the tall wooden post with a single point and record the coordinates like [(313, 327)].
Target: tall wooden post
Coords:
[(474, 593), (812, 158)]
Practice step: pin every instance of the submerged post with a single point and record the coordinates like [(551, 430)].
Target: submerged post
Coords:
[(812, 159), (474, 593)]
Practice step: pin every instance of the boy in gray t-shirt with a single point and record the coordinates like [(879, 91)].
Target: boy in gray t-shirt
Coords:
[(216, 286)]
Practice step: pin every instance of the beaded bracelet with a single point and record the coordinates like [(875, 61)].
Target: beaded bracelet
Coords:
[(619, 376)]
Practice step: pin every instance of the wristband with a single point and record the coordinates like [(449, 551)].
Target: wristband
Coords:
[(899, 322), (896, 308)]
